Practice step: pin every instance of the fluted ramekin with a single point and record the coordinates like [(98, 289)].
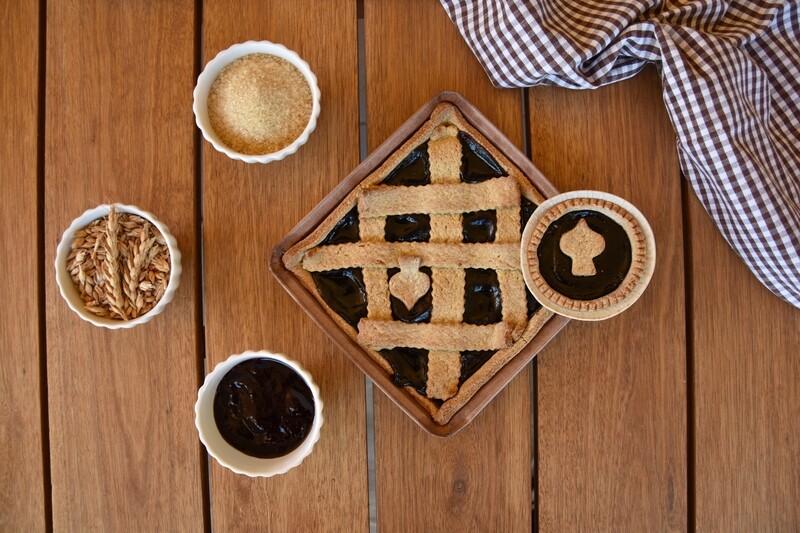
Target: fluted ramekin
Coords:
[(227, 455), (70, 293), (225, 58)]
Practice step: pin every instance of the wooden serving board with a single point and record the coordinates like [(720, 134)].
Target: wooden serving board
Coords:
[(353, 350)]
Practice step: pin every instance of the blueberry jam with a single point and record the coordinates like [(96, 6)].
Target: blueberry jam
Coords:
[(263, 408), (612, 264)]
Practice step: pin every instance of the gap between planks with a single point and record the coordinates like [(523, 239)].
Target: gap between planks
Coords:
[(689, 321), (534, 380), (200, 316), (368, 397), (47, 485)]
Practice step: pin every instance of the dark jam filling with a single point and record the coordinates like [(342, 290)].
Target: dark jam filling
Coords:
[(526, 209), (345, 231), (479, 226), (420, 313), (413, 170), (477, 164), (408, 228), (483, 303), (409, 367), (532, 303), (612, 264), (344, 292), (471, 362), (263, 408)]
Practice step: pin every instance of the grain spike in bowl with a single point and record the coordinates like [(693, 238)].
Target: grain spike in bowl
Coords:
[(120, 265)]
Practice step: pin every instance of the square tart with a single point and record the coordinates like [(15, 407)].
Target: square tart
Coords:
[(416, 259)]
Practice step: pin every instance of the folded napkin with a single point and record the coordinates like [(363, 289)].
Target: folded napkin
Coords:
[(730, 72)]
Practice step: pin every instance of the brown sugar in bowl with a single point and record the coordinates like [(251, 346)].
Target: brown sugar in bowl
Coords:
[(257, 102)]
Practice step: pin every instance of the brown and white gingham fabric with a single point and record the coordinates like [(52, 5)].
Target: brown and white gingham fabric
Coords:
[(731, 79)]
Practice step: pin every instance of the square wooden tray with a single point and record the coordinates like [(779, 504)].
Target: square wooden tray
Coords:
[(357, 354)]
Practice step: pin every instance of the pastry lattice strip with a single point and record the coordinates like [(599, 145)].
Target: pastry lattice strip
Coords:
[(387, 334), (385, 200), (386, 254)]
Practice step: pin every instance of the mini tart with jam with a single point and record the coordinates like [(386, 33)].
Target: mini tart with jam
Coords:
[(587, 255), (419, 264)]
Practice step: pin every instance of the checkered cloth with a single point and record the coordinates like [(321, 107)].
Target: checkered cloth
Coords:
[(731, 78)]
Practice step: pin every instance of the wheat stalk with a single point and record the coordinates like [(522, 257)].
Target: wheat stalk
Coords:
[(120, 265), (111, 268), (139, 253)]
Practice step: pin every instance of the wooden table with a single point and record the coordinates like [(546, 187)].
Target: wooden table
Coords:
[(681, 413)]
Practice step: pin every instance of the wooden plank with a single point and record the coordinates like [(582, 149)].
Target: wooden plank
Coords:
[(247, 211), (611, 395), (125, 454), (746, 401), (22, 486), (478, 479)]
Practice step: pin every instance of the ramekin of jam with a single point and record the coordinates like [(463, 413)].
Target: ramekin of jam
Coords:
[(259, 413)]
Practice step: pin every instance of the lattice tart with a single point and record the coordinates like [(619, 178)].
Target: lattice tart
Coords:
[(419, 263)]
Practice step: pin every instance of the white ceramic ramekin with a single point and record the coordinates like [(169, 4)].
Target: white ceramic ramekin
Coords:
[(224, 58), (227, 455), (70, 293)]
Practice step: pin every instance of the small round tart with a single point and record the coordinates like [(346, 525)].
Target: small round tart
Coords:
[(587, 255)]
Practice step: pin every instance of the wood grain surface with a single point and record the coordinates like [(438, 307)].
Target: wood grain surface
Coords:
[(22, 482), (479, 479), (681, 413), (247, 209), (611, 394), (746, 362), (124, 452)]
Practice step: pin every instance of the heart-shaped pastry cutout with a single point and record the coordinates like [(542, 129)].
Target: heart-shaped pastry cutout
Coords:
[(409, 285)]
